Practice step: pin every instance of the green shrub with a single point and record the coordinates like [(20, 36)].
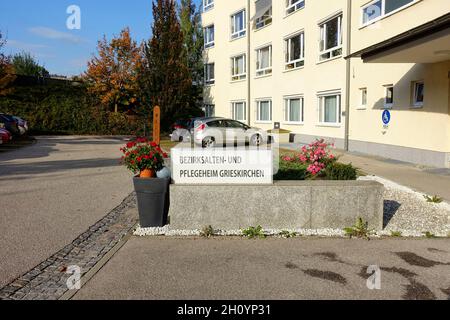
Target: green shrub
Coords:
[(291, 171), (396, 234), (429, 235), (359, 230), (433, 199), (62, 108), (340, 171), (254, 232)]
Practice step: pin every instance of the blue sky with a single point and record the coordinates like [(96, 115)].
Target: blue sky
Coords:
[(39, 27)]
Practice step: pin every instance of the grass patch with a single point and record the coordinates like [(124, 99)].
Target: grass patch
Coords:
[(433, 199)]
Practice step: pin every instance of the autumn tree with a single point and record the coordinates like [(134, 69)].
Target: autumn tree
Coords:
[(190, 21), (7, 75), (114, 74), (167, 79)]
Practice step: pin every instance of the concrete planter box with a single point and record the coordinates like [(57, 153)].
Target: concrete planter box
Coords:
[(284, 205)]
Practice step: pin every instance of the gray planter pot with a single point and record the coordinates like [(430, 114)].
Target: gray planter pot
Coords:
[(153, 201)]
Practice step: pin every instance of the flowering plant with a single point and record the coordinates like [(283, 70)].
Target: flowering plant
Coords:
[(143, 154), (316, 156)]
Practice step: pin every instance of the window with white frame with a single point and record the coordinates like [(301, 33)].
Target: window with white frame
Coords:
[(295, 51), (239, 110), (238, 24), (389, 97), (331, 38), (377, 9), (238, 67), (209, 36), (264, 110), (209, 74), (363, 97), (294, 109), (330, 109), (209, 110), (208, 4), (418, 94), (264, 61), (294, 5), (264, 20)]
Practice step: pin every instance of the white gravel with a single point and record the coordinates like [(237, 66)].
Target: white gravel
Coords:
[(405, 211)]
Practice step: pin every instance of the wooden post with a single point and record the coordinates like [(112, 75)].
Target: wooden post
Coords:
[(157, 125)]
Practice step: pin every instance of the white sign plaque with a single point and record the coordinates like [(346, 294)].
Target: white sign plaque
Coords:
[(222, 166)]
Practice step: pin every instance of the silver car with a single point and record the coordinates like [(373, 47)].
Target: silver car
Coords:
[(210, 132)]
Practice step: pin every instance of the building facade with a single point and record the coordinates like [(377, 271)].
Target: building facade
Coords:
[(302, 64)]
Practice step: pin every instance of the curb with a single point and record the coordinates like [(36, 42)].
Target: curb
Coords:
[(99, 265)]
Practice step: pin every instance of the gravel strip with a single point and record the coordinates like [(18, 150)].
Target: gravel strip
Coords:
[(48, 280), (407, 211)]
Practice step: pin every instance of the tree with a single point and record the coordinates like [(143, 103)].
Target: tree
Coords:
[(167, 79), (190, 21), (26, 65), (114, 75), (6, 70)]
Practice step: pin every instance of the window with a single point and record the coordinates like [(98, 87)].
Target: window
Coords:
[(418, 97), (294, 5), (295, 51), (238, 68), (294, 109), (209, 110), (389, 99), (238, 25), (264, 20), (363, 96), (209, 74), (239, 111), (207, 5), (330, 109), (380, 8), (264, 61), (331, 38), (209, 36), (264, 110)]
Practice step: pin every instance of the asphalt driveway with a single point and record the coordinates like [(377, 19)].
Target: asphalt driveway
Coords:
[(300, 268), (53, 191)]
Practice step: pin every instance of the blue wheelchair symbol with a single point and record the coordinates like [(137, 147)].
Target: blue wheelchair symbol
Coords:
[(386, 117)]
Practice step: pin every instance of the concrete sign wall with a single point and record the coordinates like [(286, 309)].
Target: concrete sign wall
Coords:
[(222, 166)]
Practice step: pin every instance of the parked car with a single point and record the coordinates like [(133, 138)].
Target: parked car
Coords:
[(209, 132), (10, 124), (22, 124), (181, 131), (5, 136)]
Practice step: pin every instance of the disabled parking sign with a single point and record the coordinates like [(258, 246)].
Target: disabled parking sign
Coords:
[(386, 117)]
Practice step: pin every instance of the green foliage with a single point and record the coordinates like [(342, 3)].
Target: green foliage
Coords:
[(286, 234), (252, 232), (207, 232), (26, 65), (166, 80), (429, 235), (433, 199), (359, 230), (340, 171), (396, 234), (191, 27), (65, 109), (291, 171)]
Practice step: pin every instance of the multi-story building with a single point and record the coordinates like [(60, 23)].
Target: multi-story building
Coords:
[(369, 76)]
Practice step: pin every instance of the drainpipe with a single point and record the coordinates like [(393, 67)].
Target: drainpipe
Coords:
[(347, 75), (248, 64)]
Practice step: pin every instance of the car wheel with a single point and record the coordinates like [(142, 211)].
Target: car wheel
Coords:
[(256, 140), (208, 142)]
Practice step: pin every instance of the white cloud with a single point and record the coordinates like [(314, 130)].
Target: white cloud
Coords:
[(53, 34), (19, 45)]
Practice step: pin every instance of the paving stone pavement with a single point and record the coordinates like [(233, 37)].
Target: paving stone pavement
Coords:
[(48, 280)]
